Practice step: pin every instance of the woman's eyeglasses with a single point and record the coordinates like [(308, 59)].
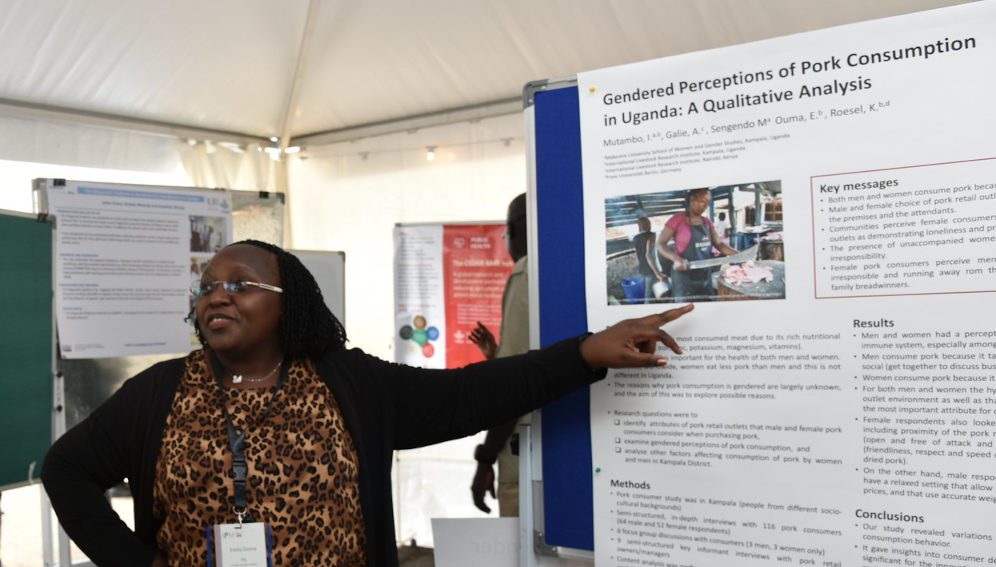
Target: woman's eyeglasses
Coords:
[(207, 288)]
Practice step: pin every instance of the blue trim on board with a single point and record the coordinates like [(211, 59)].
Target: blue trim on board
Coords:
[(567, 466)]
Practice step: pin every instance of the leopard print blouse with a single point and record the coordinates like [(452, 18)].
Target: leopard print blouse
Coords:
[(303, 469)]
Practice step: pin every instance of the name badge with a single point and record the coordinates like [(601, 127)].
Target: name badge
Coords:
[(239, 545)]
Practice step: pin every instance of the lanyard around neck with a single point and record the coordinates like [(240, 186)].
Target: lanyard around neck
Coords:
[(237, 438)]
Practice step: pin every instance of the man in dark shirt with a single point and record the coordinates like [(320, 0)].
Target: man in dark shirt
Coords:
[(643, 242), (514, 340)]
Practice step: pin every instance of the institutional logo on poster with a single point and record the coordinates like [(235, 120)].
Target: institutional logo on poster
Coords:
[(421, 334)]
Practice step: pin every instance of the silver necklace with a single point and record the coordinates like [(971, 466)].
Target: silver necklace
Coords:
[(239, 378)]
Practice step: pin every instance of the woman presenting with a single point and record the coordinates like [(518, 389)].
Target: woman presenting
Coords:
[(275, 428), (694, 238)]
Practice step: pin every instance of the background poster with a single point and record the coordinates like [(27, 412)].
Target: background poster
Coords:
[(419, 300), (834, 405), (447, 278), (476, 266), (126, 258)]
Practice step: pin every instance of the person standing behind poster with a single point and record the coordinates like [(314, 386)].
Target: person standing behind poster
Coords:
[(643, 243), (514, 340), (723, 227), (694, 238)]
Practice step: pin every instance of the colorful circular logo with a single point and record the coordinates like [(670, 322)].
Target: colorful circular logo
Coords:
[(421, 334)]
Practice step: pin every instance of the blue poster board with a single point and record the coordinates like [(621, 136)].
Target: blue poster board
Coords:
[(566, 429)]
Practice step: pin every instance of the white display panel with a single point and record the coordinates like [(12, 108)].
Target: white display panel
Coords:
[(329, 269), (841, 413), (419, 302)]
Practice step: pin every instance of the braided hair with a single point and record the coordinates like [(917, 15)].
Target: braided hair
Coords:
[(307, 326)]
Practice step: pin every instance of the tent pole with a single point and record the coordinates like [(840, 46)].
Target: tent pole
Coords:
[(283, 181)]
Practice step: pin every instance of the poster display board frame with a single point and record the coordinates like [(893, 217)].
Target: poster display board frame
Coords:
[(561, 504), (26, 391)]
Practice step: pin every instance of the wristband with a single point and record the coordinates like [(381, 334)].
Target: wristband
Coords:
[(589, 369), (584, 336), (482, 458)]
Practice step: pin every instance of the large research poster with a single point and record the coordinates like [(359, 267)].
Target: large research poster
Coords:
[(840, 412)]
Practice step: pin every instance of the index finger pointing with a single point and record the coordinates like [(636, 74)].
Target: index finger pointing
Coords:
[(671, 314)]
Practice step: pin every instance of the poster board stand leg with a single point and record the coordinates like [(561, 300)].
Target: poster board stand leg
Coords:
[(526, 522), (65, 546), (48, 556), (65, 549)]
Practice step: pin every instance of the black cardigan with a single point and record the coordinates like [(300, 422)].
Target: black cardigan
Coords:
[(385, 406)]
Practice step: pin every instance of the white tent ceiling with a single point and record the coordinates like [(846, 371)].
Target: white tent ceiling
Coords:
[(291, 68)]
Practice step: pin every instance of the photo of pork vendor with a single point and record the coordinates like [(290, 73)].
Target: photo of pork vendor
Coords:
[(720, 243)]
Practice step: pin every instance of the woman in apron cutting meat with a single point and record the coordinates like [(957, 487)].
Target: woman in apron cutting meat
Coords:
[(694, 238)]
